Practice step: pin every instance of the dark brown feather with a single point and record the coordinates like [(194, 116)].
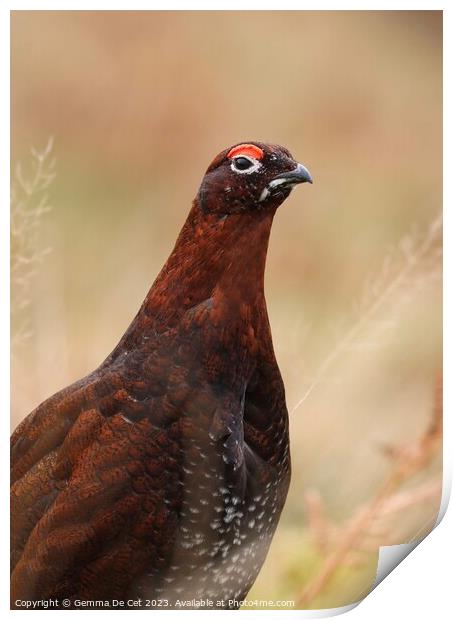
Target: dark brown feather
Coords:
[(163, 473)]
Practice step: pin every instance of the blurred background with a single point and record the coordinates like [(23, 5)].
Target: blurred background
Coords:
[(116, 116)]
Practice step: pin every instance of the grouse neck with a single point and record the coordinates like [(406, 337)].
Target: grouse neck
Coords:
[(214, 257)]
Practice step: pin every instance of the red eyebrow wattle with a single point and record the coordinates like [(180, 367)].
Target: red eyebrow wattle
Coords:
[(246, 149)]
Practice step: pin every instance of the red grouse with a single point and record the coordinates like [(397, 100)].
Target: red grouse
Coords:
[(162, 474)]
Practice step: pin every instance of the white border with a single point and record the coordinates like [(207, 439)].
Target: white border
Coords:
[(4, 283), (184, 5)]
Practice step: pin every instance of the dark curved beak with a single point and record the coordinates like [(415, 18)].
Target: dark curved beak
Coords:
[(300, 174)]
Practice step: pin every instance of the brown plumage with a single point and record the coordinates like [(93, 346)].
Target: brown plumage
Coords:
[(163, 473)]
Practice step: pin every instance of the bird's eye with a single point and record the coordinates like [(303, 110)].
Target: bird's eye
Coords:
[(242, 163), (245, 165)]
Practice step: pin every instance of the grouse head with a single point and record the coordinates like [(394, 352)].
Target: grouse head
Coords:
[(250, 176)]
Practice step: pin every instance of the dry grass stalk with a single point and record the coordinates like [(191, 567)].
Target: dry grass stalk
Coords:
[(29, 203), (408, 460), (326, 533), (415, 262)]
